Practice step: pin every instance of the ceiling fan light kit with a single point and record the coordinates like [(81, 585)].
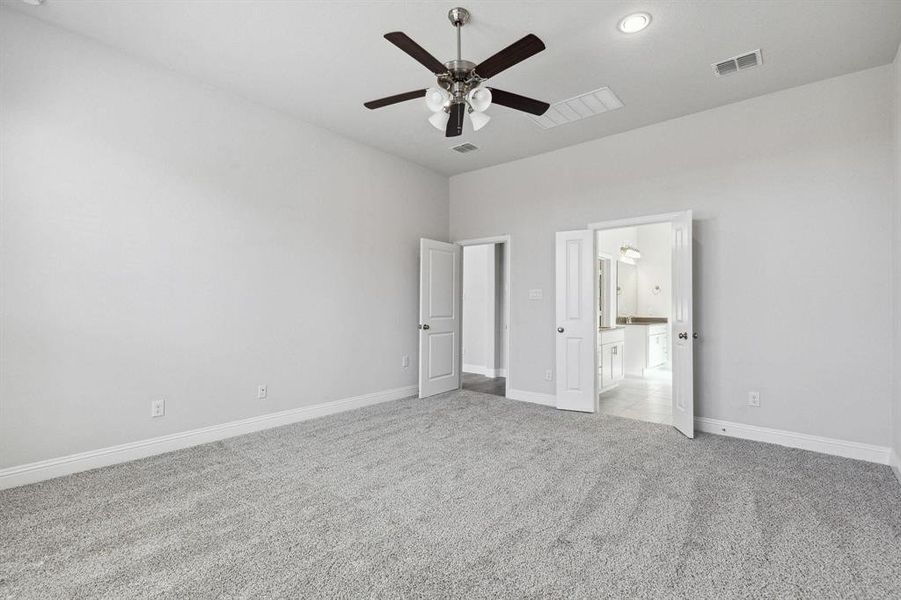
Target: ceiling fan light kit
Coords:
[(479, 98), (437, 99), (439, 120), (478, 119), (461, 88)]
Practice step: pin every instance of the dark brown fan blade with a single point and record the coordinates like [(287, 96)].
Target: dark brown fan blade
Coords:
[(394, 99), (509, 56), (403, 41), (511, 100), (455, 122)]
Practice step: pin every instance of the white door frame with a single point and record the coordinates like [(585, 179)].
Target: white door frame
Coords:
[(505, 240), (634, 222)]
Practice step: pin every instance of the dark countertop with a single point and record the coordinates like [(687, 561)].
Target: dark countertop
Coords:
[(642, 321)]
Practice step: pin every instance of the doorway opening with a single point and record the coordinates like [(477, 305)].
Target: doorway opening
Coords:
[(635, 303), (441, 317), (485, 318), (591, 352)]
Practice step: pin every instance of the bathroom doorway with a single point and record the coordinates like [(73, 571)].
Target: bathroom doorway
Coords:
[(635, 377)]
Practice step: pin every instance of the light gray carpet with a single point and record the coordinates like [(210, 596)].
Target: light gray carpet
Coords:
[(463, 495)]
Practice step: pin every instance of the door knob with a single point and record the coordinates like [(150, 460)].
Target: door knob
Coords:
[(559, 330), (426, 326), (695, 335), (683, 335)]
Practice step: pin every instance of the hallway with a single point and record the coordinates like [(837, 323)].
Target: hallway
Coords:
[(495, 386)]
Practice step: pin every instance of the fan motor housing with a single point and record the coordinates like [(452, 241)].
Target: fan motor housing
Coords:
[(460, 69)]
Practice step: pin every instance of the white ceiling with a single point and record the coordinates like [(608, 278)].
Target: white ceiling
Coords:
[(321, 60)]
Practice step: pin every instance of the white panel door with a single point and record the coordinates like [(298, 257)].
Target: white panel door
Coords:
[(439, 317), (683, 332), (576, 321)]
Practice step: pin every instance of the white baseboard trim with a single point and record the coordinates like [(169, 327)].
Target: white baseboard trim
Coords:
[(477, 369), (896, 465), (482, 370), (857, 450), (533, 397), (92, 459)]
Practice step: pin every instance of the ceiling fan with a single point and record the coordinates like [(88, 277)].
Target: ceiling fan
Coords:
[(461, 84)]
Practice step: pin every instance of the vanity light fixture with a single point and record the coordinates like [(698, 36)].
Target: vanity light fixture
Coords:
[(635, 22), (629, 251)]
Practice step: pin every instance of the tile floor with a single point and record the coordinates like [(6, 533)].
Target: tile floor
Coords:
[(496, 386), (646, 399)]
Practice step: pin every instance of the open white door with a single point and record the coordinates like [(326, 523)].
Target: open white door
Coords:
[(683, 332), (439, 317), (576, 324)]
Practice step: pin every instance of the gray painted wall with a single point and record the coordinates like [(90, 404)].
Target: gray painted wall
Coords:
[(162, 239), (792, 196), (478, 307)]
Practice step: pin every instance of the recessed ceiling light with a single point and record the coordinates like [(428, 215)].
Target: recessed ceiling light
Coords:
[(635, 22), (33, 2)]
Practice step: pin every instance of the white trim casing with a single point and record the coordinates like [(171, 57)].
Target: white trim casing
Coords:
[(636, 221), (533, 397), (835, 447), (92, 459), (494, 239)]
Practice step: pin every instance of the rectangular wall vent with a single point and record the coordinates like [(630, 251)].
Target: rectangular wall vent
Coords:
[(464, 148), (738, 63), (579, 107)]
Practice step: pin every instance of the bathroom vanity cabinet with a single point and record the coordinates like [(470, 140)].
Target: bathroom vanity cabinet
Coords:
[(611, 365), (647, 347)]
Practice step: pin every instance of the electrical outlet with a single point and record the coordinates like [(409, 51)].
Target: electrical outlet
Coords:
[(753, 398), (262, 391), (405, 361), (536, 294), (157, 408), (548, 375)]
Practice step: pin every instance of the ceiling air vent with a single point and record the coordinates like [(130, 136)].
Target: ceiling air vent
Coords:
[(738, 63), (578, 107), (464, 148)]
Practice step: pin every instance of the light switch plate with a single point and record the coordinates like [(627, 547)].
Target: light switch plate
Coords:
[(536, 294)]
